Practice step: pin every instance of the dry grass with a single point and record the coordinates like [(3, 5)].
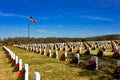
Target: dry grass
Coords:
[(54, 69), (5, 69)]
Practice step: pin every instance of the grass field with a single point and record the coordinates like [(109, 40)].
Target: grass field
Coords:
[(54, 69)]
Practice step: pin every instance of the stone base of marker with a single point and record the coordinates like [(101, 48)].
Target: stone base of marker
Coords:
[(116, 74), (21, 74)]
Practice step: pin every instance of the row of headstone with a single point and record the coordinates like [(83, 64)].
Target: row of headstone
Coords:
[(65, 46), (114, 46), (23, 72)]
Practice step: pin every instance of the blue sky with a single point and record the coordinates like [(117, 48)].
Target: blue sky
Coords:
[(59, 18)]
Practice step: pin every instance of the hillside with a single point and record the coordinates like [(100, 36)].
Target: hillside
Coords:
[(24, 40)]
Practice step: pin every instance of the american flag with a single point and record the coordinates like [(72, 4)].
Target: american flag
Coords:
[(32, 19)]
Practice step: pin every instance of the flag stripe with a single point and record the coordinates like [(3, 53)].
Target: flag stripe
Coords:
[(32, 19)]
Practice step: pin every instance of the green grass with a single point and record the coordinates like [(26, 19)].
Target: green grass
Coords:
[(54, 69)]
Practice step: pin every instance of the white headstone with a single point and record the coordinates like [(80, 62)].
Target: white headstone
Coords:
[(36, 49), (26, 71), (80, 49), (78, 57), (65, 48), (20, 64), (60, 48), (33, 49), (49, 53), (96, 60), (56, 54), (44, 51), (36, 76), (40, 50), (118, 63), (65, 56), (27, 48), (72, 48), (30, 48), (16, 59), (13, 56)]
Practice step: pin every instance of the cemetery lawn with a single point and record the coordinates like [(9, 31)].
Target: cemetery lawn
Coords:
[(54, 69), (5, 69)]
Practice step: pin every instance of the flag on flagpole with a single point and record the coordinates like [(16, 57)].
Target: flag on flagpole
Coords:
[(32, 19)]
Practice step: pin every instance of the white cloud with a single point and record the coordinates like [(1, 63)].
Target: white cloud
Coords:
[(12, 15), (42, 31), (46, 31), (98, 18)]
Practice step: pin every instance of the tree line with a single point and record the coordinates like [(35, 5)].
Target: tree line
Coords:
[(24, 40)]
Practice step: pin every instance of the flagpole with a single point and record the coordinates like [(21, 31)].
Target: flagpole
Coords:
[(33, 20), (28, 30)]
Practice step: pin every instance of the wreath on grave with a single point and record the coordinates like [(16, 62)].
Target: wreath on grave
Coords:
[(70, 50), (9, 58), (91, 64), (63, 49), (13, 63), (100, 53), (21, 74), (117, 73), (87, 52), (59, 48), (74, 60), (103, 48), (116, 55), (77, 51), (62, 57), (113, 49), (54, 55), (93, 48), (48, 54), (16, 68), (42, 52), (38, 51)]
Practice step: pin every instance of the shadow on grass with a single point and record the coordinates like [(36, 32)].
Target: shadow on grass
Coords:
[(88, 73), (105, 70)]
